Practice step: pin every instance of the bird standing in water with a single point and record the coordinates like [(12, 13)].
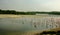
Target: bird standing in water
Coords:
[(35, 25)]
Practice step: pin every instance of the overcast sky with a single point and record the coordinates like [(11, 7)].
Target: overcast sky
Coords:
[(30, 5)]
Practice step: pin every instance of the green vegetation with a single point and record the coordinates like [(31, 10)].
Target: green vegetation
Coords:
[(27, 13), (54, 13), (16, 12)]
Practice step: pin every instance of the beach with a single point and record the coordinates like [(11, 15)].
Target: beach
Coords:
[(20, 16)]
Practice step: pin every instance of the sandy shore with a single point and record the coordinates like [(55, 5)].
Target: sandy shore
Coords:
[(32, 32), (19, 16), (8, 16)]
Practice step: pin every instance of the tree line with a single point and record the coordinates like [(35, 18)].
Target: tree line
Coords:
[(16, 12), (27, 13)]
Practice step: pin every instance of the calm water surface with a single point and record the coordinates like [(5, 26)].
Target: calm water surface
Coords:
[(28, 24)]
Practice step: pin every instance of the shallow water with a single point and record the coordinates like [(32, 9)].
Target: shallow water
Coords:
[(28, 24)]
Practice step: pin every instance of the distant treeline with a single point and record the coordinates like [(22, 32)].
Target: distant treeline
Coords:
[(27, 13)]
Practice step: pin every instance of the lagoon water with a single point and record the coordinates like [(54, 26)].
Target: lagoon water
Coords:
[(28, 24)]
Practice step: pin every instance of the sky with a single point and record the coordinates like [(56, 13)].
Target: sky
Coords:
[(30, 5)]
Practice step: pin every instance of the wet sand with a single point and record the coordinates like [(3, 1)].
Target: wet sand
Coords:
[(20, 16), (20, 33), (8, 16)]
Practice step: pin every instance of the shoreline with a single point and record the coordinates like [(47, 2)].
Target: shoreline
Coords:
[(20, 16), (8, 16)]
